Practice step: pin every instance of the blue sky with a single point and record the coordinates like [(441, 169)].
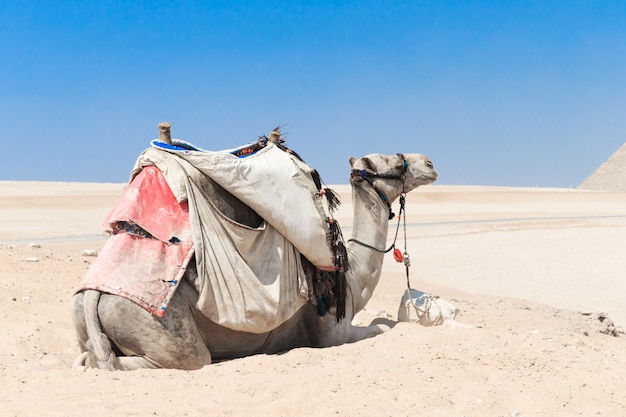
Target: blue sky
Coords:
[(516, 93)]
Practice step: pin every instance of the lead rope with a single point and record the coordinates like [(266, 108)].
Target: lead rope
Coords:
[(397, 255), (405, 258)]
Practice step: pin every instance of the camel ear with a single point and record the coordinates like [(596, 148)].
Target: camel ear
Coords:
[(351, 160), (368, 163)]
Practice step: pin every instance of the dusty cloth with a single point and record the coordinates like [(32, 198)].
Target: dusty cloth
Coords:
[(144, 270), (273, 183), (426, 309), (249, 279)]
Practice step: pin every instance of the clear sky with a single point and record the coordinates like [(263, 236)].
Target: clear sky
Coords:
[(518, 93)]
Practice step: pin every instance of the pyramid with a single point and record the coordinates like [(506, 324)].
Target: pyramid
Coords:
[(610, 176)]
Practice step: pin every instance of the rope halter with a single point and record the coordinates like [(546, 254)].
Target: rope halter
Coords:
[(370, 176)]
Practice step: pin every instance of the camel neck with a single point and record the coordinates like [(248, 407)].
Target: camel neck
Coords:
[(370, 226)]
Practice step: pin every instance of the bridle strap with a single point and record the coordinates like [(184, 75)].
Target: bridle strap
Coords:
[(369, 176), (395, 238), (371, 247)]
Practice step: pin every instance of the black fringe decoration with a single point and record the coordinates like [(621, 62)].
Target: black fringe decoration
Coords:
[(336, 239), (341, 266), (316, 179), (340, 295), (332, 198)]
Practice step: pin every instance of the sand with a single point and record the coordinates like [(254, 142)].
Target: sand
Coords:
[(534, 273)]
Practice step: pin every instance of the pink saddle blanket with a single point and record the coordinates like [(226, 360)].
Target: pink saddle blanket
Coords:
[(146, 270)]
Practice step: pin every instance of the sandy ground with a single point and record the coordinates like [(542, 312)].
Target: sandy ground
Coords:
[(533, 273)]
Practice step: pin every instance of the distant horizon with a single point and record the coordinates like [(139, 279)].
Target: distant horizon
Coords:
[(519, 94), (346, 184), (329, 185)]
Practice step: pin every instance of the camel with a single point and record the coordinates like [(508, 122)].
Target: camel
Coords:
[(115, 333)]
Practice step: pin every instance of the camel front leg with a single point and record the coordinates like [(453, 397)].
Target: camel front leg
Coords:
[(376, 327), (333, 333)]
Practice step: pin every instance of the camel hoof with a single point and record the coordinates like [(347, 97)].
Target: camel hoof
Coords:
[(383, 328), (80, 363)]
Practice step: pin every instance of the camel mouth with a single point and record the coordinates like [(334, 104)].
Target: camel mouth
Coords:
[(433, 174), (430, 172)]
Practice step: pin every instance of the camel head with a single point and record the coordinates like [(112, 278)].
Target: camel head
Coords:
[(392, 175)]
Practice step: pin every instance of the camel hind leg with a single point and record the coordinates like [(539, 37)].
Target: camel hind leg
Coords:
[(96, 349), (122, 363), (145, 341)]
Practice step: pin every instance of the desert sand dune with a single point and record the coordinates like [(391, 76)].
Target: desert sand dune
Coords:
[(537, 276)]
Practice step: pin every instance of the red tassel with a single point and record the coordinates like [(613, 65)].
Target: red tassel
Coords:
[(397, 255)]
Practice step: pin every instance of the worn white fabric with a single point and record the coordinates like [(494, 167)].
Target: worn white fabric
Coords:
[(249, 279), (426, 309), (273, 183)]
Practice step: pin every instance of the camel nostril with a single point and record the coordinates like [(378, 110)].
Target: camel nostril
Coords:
[(429, 164)]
